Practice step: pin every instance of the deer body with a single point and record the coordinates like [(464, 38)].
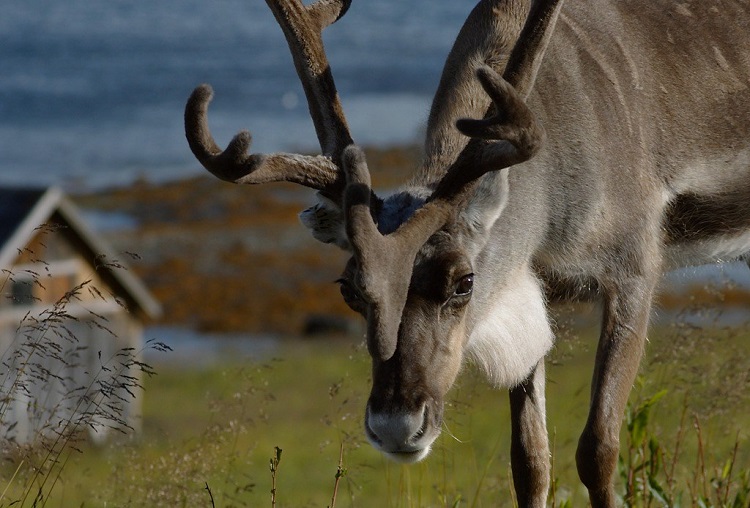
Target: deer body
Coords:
[(641, 111), (633, 126), (645, 166)]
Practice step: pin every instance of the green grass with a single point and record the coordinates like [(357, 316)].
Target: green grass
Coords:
[(219, 426)]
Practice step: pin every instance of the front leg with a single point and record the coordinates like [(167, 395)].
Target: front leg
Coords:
[(625, 320), (529, 449)]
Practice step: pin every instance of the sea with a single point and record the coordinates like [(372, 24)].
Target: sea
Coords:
[(92, 91)]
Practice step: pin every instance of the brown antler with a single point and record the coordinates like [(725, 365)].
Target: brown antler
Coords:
[(386, 261), (509, 137), (486, 38), (302, 26), (509, 123)]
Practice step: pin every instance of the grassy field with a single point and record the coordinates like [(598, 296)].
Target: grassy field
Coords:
[(211, 432)]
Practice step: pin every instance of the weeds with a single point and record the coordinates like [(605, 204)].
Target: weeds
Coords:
[(265, 401), (210, 496), (650, 474), (174, 471), (340, 473), (66, 376), (274, 466)]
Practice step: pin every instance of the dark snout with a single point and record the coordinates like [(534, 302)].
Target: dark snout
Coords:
[(401, 434)]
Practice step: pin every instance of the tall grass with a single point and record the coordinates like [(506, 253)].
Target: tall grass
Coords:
[(248, 411), (649, 467), (53, 398), (219, 426), (209, 435)]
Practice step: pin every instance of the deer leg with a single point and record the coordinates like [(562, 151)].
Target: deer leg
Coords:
[(529, 449), (625, 320)]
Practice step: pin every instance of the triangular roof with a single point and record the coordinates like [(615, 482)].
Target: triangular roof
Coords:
[(23, 210)]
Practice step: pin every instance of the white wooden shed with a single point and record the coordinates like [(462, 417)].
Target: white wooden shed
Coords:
[(71, 323)]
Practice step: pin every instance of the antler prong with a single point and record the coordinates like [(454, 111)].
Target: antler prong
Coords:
[(328, 12), (230, 164), (196, 125), (235, 164), (510, 109), (302, 26), (517, 135)]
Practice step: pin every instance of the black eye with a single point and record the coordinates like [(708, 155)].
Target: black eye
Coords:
[(351, 296), (347, 290), (464, 285)]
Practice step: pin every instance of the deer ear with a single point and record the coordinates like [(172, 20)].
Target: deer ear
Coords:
[(482, 209), (326, 222)]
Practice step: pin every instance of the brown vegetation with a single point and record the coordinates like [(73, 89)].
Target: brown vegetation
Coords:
[(222, 257)]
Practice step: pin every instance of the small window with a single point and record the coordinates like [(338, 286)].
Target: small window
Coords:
[(22, 292)]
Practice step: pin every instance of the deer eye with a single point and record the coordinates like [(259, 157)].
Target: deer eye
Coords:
[(464, 285), (347, 290), (350, 294)]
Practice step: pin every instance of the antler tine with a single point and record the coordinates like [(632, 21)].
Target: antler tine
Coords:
[(528, 53), (302, 26), (516, 134), (512, 124), (377, 255), (235, 165), (328, 12), (488, 35)]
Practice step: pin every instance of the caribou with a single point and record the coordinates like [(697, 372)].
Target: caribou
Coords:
[(570, 151)]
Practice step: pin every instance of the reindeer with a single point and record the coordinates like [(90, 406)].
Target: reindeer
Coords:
[(580, 150)]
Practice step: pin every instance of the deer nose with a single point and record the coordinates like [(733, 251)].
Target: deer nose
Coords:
[(403, 436)]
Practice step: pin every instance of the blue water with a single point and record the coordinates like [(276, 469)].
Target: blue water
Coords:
[(92, 91)]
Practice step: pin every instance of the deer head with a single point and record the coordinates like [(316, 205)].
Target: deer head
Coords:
[(415, 254)]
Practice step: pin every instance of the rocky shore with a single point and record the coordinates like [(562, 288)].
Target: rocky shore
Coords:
[(225, 258), (228, 258)]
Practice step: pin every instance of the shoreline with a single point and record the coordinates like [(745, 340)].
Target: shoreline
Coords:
[(199, 236), (249, 266)]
